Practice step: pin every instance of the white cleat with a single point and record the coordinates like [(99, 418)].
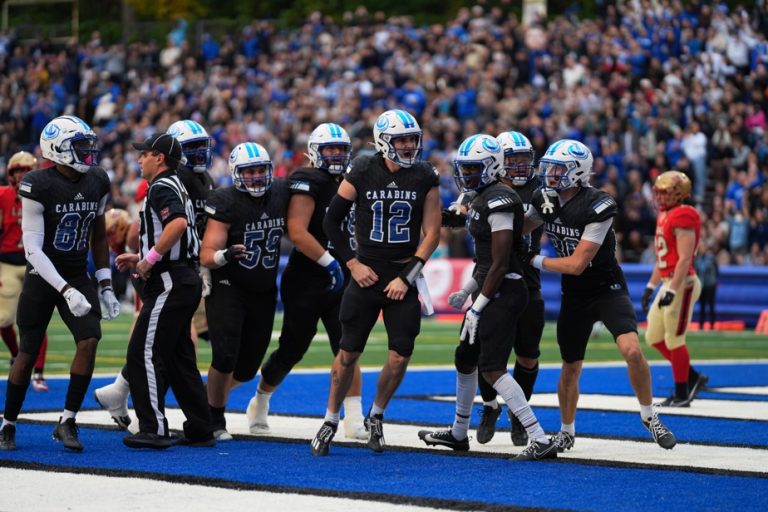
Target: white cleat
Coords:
[(354, 429), (114, 401), (257, 413)]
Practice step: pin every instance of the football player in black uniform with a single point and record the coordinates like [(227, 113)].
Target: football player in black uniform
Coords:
[(196, 147), (396, 198), (62, 218), (313, 281), (495, 221), (246, 223), (578, 221)]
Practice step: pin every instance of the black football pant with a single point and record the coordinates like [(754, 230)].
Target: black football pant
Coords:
[(161, 354)]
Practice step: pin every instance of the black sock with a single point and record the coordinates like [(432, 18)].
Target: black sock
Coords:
[(681, 390), (526, 377), (217, 415), (486, 390), (14, 398), (693, 376), (78, 386), (124, 372)]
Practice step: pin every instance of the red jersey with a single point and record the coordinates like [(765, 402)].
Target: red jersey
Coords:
[(682, 217), (10, 206)]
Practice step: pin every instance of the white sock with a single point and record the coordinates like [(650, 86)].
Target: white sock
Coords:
[(122, 385), (570, 428), (514, 397), (332, 417), (66, 415), (466, 384), (646, 412), (353, 408), (7, 422), (375, 409)]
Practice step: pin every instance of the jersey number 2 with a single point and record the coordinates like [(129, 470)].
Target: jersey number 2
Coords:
[(399, 215), (72, 232)]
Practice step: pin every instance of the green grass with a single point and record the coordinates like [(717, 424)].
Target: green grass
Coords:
[(434, 346)]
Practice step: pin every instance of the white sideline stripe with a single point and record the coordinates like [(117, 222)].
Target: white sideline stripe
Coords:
[(44, 491), (406, 436), (747, 390), (701, 407)]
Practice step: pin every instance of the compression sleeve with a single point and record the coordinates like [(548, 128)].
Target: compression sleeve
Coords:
[(33, 228), (337, 210)]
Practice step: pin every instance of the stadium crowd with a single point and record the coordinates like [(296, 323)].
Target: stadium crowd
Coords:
[(648, 86)]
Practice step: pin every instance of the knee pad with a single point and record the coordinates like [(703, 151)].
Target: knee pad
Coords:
[(224, 358), (277, 367), (464, 358)]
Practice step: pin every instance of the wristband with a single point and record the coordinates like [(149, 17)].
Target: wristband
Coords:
[(103, 274), (325, 260), (538, 261), (480, 302), (411, 270), (220, 258), (153, 256)]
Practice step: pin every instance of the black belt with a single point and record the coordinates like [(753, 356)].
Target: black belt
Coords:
[(161, 266)]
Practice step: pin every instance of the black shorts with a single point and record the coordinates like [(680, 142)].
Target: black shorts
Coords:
[(578, 313), (530, 326), (497, 330), (240, 328), (360, 309), (36, 303)]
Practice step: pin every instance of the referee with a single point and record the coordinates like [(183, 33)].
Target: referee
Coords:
[(160, 352)]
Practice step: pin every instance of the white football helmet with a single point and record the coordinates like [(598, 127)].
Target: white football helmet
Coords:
[(195, 142), (566, 164), (392, 125), (68, 140), (515, 143), (244, 156), (325, 135), (479, 162)]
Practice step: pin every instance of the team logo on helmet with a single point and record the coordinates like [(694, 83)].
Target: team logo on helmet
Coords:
[(382, 123), (491, 145), (51, 131), (578, 151)]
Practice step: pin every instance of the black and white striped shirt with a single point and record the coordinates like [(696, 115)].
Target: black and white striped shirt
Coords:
[(166, 200)]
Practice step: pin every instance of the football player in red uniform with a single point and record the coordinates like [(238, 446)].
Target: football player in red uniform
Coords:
[(13, 263), (678, 230)]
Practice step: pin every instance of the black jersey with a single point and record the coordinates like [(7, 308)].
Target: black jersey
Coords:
[(70, 209), (320, 186), (198, 185), (532, 240), (495, 198), (256, 222), (389, 206), (564, 229)]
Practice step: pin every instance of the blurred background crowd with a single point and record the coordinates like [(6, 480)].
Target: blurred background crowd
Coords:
[(648, 85)]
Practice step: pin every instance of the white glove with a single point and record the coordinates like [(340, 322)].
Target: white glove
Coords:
[(457, 299), (78, 304), (472, 318), (205, 275), (111, 304)]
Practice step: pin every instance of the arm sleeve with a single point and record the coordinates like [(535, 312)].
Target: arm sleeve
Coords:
[(501, 221), (596, 231), (103, 204), (166, 203), (33, 228), (337, 211), (533, 215)]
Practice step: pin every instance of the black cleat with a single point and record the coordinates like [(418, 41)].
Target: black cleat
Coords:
[(8, 437), (674, 401), (661, 434), (375, 427), (518, 433), (444, 438), (205, 442), (694, 388), (68, 433), (147, 440), (538, 451), (563, 441), (323, 438), (487, 427)]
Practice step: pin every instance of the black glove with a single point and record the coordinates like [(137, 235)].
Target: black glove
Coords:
[(234, 253), (667, 298), (452, 219), (646, 300)]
